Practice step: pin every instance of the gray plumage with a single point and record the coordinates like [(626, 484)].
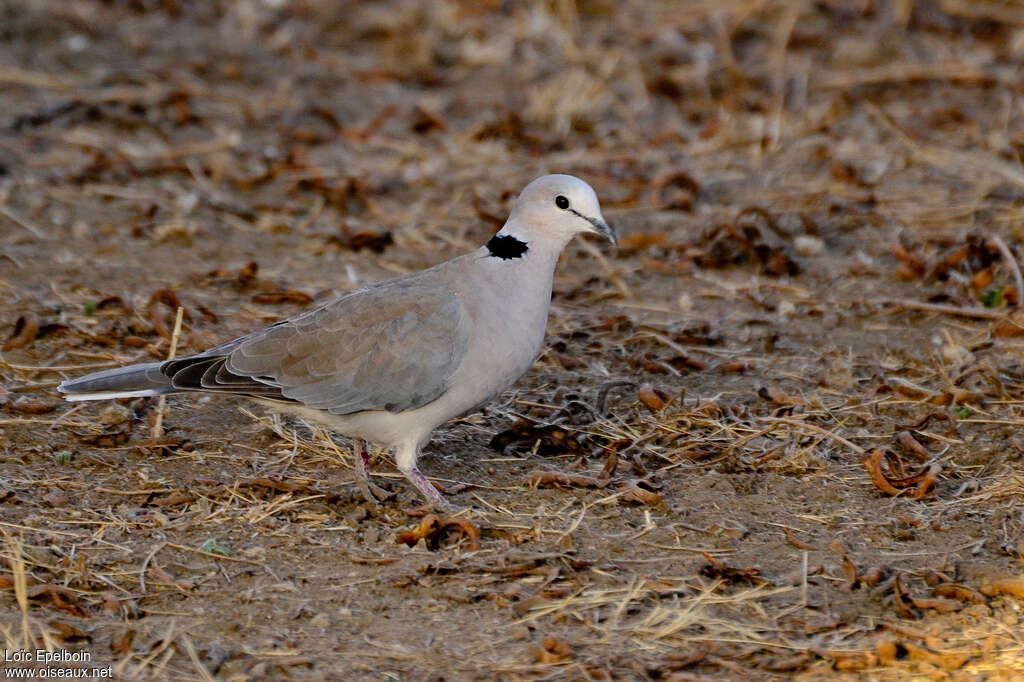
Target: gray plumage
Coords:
[(391, 362)]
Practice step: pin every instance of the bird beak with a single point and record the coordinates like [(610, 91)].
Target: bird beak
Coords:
[(599, 226), (605, 230)]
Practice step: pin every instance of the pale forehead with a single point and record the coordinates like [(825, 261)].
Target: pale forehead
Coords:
[(545, 187)]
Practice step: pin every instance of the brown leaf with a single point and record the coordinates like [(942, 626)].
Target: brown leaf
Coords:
[(901, 599), (546, 478), (275, 297), (791, 539), (123, 646), (1012, 586), (554, 650), (945, 660), (734, 366), (1012, 326), (653, 399), (632, 492), (937, 603), (914, 262), (26, 328), (288, 487), (376, 242), (162, 577), (174, 498), (675, 191), (960, 592), (935, 414), (554, 440), (69, 633), (425, 119), (951, 259), (850, 572), (432, 530), (111, 436), (852, 660), (640, 241), (780, 398), (168, 298), (63, 598), (924, 480), (718, 570), (907, 440), (983, 278)]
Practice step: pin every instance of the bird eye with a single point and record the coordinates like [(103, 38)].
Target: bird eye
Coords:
[(561, 202)]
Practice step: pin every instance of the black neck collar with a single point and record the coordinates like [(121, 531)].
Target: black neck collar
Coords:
[(506, 247)]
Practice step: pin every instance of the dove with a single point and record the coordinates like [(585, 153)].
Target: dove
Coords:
[(391, 362)]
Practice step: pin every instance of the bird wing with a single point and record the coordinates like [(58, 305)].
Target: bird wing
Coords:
[(392, 346)]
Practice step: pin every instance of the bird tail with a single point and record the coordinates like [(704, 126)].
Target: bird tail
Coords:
[(121, 382)]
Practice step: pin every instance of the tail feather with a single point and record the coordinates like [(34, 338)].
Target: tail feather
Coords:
[(121, 382)]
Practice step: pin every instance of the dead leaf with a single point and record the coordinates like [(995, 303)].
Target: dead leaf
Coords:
[(675, 191), (791, 539), (545, 478), (901, 599), (123, 646), (937, 604), (26, 328), (276, 297), (653, 399), (69, 633), (718, 570), (432, 529), (914, 263), (1011, 586), (945, 660), (63, 598), (553, 650), (631, 491), (907, 440), (170, 299), (162, 577), (960, 592), (108, 437), (554, 440), (780, 397), (852, 660), (1011, 327), (924, 480)]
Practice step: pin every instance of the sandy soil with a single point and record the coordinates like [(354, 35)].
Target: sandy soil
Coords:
[(776, 433)]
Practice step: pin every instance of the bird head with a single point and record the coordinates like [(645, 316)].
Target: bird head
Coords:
[(555, 208)]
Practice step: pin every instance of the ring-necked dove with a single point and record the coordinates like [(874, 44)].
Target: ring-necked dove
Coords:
[(391, 362)]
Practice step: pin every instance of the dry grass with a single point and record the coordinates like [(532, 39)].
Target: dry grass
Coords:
[(820, 208)]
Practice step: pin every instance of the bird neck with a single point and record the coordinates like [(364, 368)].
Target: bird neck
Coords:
[(520, 239)]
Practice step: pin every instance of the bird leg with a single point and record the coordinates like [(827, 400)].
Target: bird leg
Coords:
[(405, 459), (368, 488)]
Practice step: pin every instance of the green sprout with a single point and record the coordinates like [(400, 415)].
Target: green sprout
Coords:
[(211, 546), (992, 297)]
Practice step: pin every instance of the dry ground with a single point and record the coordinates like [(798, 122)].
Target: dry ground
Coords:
[(815, 301)]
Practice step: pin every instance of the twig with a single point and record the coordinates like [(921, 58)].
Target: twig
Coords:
[(14, 218), (816, 429), (158, 425), (1018, 281), (190, 649), (215, 556), (980, 313), (803, 580), (145, 565)]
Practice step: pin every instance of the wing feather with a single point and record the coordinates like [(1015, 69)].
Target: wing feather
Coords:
[(389, 347)]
